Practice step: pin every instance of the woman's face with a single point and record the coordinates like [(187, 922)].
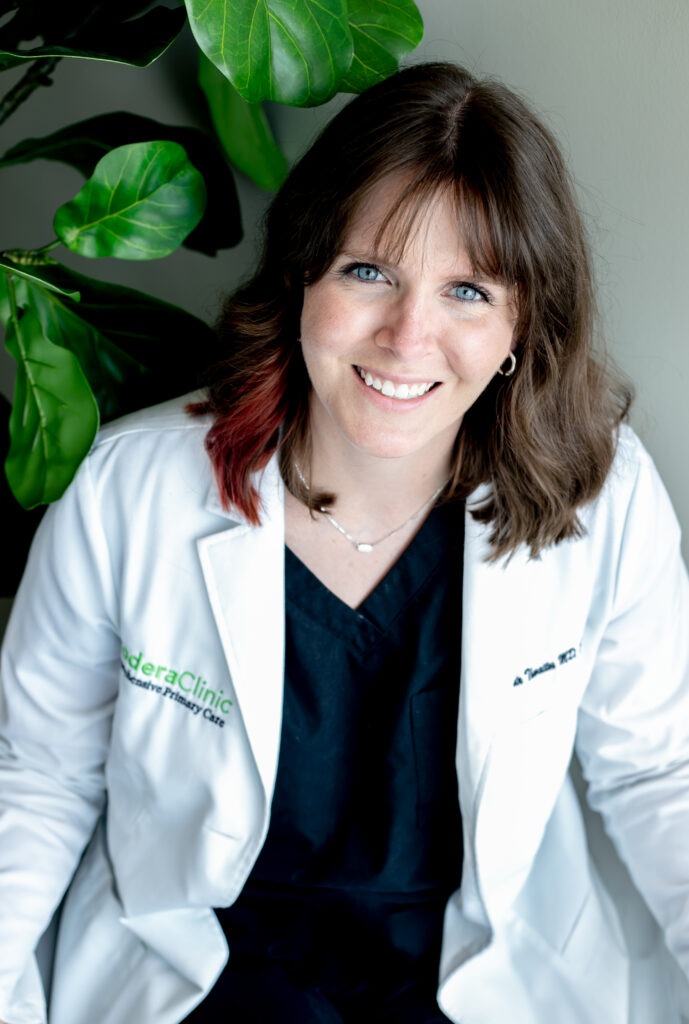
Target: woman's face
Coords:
[(397, 349)]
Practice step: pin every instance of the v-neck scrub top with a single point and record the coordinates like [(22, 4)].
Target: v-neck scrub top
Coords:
[(344, 906)]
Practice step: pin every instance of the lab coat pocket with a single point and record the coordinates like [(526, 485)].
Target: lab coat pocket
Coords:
[(104, 972), (95, 955), (523, 778), (591, 964), (566, 912), (182, 863)]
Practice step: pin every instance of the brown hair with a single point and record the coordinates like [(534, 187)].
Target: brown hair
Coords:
[(544, 438)]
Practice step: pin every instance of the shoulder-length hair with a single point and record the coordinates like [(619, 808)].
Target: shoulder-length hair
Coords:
[(544, 439)]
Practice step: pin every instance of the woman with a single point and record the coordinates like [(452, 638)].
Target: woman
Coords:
[(329, 680)]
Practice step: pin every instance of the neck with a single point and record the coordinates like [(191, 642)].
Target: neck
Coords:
[(372, 492)]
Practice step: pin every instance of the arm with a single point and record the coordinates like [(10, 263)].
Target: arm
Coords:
[(58, 690), (633, 735)]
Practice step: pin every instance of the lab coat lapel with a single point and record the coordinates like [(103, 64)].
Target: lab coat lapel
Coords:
[(492, 640), (243, 568), (505, 629)]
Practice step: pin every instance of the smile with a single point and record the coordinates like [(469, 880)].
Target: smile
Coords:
[(391, 390)]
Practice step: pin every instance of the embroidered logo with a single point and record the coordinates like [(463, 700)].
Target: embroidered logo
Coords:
[(180, 687), (547, 666)]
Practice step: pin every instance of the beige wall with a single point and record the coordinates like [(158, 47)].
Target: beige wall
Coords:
[(612, 79)]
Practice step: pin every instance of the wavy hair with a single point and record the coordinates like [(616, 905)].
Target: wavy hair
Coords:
[(545, 438)]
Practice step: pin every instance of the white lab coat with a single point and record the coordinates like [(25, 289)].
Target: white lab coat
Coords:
[(141, 590)]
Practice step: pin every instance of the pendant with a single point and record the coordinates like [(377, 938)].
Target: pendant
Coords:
[(364, 548)]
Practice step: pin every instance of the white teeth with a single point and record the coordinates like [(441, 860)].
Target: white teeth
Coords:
[(390, 390)]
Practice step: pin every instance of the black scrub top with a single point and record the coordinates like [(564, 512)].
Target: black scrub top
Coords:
[(364, 845)]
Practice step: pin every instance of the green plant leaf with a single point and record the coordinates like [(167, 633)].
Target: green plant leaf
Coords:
[(47, 274), (384, 31), (34, 19), (158, 349), (54, 414), (292, 51), (133, 319), (83, 144), (243, 129), (107, 367), (5, 310), (17, 523), (140, 204), (106, 36)]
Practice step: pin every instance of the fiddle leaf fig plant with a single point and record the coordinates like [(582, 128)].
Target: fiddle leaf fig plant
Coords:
[(242, 129), (302, 52), (81, 145), (126, 32), (261, 46), (382, 34), (86, 350), (358, 42), (47, 435), (140, 203)]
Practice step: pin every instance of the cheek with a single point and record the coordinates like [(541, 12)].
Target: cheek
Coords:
[(475, 369), (319, 325), (477, 356)]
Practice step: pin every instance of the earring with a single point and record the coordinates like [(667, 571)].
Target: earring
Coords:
[(508, 366)]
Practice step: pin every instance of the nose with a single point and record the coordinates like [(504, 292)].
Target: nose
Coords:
[(405, 328)]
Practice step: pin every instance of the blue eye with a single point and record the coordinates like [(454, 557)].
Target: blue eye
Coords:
[(363, 272), (467, 293)]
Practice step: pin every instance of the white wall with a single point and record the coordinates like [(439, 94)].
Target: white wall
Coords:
[(610, 76)]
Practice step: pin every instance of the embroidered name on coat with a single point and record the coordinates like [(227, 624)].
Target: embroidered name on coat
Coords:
[(547, 666)]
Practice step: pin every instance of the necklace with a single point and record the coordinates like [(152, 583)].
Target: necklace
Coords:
[(363, 546)]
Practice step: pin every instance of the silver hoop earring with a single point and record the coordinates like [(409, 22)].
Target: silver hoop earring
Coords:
[(508, 366)]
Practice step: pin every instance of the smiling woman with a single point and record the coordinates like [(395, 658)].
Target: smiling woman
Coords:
[(421, 561), (468, 162)]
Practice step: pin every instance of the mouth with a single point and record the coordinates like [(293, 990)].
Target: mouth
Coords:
[(391, 390)]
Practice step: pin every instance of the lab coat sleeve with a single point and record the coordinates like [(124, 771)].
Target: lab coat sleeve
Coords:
[(58, 685), (633, 734)]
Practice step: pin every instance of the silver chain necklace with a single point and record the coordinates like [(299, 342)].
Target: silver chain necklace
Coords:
[(363, 546)]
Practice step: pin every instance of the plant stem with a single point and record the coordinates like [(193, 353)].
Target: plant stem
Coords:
[(31, 258), (45, 249), (38, 74)]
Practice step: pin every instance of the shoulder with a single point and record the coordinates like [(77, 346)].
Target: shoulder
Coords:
[(152, 447), (159, 423), (155, 461), (631, 458), (633, 488), (631, 530)]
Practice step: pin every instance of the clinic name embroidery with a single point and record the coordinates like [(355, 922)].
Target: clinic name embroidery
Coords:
[(547, 666), (167, 681)]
